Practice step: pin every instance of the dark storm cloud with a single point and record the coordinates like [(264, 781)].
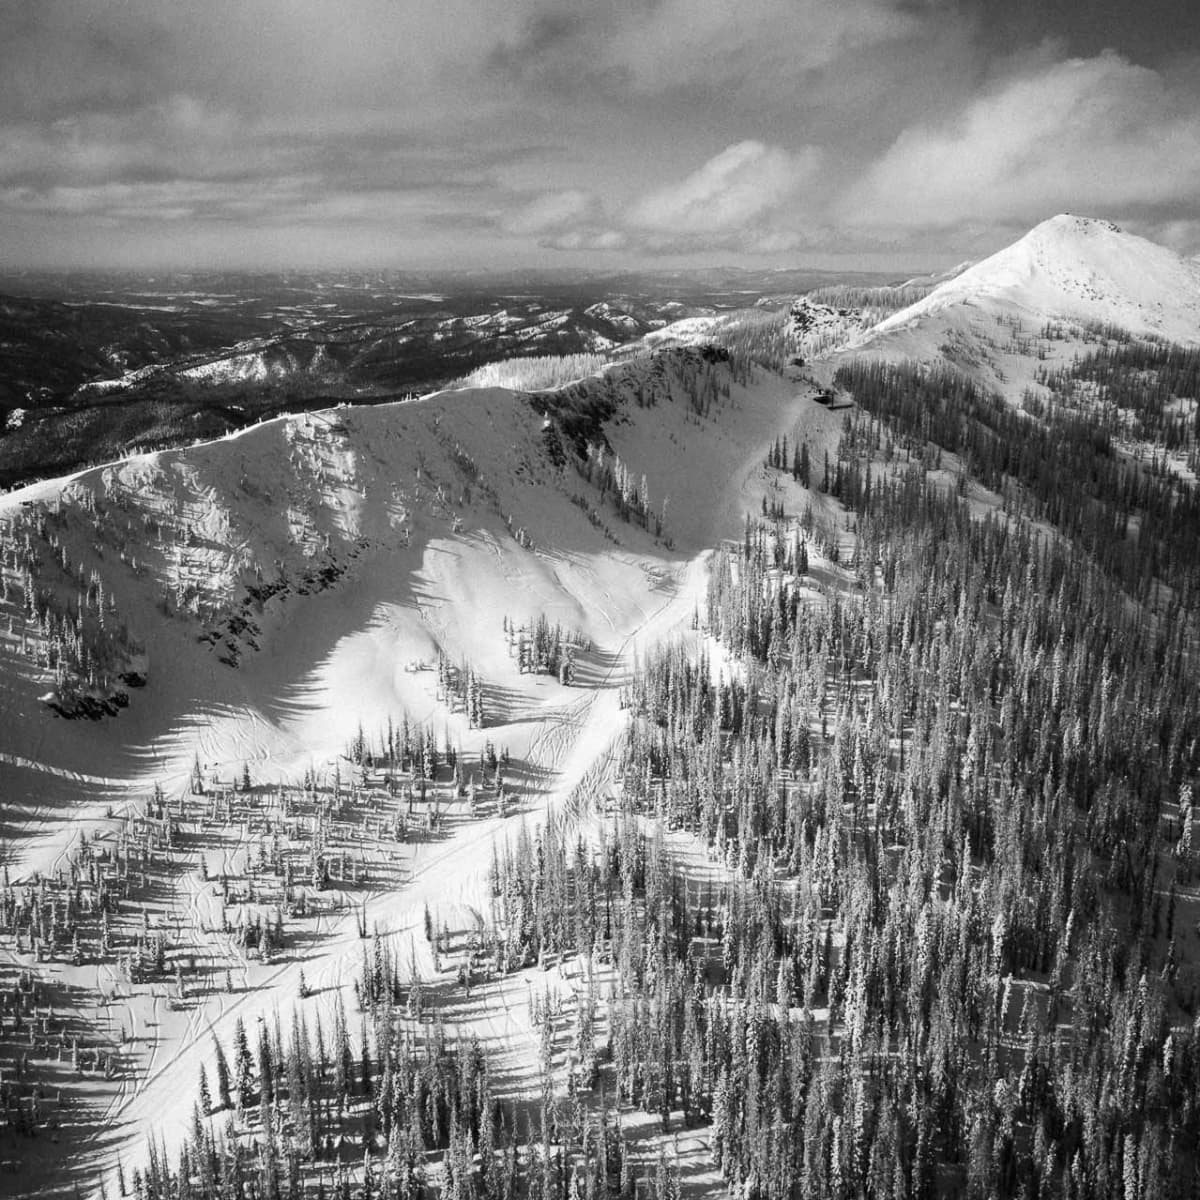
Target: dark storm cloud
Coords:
[(553, 51), (1149, 32), (684, 128), (544, 33), (630, 49)]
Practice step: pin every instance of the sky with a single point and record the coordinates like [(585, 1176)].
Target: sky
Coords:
[(418, 134)]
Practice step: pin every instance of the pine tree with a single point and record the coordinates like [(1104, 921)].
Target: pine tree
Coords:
[(243, 1067), (222, 1068), (1184, 848)]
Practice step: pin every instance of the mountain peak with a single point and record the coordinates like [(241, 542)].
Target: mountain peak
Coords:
[(1083, 269), (1073, 223), (1086, 237)]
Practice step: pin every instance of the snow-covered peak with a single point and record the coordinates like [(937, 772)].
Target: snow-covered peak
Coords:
[(1078, 268)]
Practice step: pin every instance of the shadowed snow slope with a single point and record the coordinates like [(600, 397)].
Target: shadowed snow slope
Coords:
[(1079, 269), (281, 579)]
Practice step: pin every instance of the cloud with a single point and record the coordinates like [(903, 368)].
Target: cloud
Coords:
[(570, 219), (739, 188), (1182, 235), (593, 238), (654, 47), (250, 111), (748, 198), (1098, 134), (182, 158), (484, 131), (176, 136), (556, 213), (259, 56)]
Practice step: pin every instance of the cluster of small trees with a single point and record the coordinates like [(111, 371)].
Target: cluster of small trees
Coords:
[(405, 746), (64, 615), (542, 649), (70, 914), (629, 494), (372, 1108), (38, 1025), (797, 462), (461, 687)]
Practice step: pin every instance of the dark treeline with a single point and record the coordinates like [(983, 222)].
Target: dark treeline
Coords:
[(1135, 387), (885, 299), (961, 806), (956, 802), (576, 417), (757, 338), (1142, 526)]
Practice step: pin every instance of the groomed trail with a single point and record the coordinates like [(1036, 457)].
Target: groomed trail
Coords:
[(442, 517)]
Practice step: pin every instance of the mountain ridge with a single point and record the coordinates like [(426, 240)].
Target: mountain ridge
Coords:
[(296, 581)]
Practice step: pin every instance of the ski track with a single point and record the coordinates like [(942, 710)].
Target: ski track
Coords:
[(31, 764)]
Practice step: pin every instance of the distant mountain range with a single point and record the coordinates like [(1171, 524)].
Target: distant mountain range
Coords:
[(92, 367)]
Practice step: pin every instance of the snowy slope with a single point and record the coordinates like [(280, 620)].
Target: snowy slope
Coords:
[(686, 332), (1078, 269), (395, 532), (313, 505)]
